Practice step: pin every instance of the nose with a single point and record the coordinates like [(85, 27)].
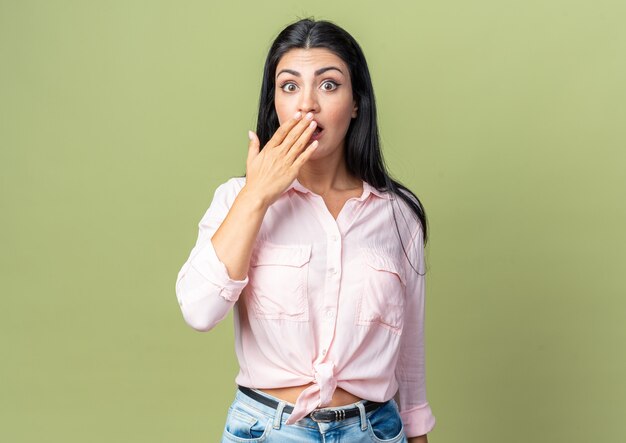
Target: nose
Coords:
[(309, 101)]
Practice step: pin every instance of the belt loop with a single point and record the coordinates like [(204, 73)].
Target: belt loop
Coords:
[(359, 405), (279, 414)]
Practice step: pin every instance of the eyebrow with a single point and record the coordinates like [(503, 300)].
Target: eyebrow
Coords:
[(318, 72)]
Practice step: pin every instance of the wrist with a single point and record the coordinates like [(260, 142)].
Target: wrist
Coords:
[(253, 199)]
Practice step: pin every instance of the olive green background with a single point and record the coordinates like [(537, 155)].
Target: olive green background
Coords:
[(118, 119)]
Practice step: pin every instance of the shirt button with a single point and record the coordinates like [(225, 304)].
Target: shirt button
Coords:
[(334, 238), (323, 351), (333, 270), (330, 313)]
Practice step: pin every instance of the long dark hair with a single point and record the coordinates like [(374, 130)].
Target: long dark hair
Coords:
[(363, 154)]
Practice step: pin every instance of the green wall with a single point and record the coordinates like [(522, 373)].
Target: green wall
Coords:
[(119, 118)]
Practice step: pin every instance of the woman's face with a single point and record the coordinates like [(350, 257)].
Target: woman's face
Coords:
[(326, 93)]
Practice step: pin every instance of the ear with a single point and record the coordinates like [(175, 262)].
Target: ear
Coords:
[(354, 109)]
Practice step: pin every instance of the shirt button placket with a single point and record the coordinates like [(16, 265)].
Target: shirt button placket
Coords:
[(334, 252), (330, 308)]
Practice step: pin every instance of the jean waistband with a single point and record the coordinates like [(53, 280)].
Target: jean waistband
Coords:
[(321, 414)]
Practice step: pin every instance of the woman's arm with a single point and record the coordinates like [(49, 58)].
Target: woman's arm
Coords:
[(270, 171), (211, 281), (410, 371), (235, 237)]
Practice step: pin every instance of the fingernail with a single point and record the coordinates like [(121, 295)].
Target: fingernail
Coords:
[(298, 114), (250, 135), (309, 115)]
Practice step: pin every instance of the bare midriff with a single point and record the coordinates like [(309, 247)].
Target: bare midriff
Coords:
[(341, 397)]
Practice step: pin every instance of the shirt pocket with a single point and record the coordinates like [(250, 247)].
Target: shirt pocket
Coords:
[(278, 281), (383, 296)]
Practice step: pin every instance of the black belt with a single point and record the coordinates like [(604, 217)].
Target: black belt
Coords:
[(318, 415)]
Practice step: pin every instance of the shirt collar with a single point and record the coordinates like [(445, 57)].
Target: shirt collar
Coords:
[(367, 190)]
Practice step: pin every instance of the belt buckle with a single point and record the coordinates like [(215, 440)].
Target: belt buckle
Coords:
[(318, 420), (340, 414)]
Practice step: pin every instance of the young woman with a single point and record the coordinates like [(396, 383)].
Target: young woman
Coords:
[(321, 255)]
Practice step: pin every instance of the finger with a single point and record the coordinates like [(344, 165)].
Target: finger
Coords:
[(302, 141), (296, 132), (253, 146), (283, 130), (308, 152)]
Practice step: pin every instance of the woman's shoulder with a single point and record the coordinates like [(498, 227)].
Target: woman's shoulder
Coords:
[(226, 191), (236, 182), (409, 221), (231, 186)]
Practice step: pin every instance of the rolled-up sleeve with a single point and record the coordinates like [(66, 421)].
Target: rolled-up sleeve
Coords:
[(204, 289), (410, 372)]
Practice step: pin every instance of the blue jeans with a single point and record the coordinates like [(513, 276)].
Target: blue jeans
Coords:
[(251, 421)]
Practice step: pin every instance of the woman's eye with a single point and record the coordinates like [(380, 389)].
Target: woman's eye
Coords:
[(335, 84), (329, 82)]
